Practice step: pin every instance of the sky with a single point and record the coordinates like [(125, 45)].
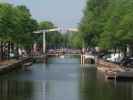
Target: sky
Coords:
[(63, 13)]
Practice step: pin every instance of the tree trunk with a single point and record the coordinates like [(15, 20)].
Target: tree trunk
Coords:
[(2, 51), (125, 51), (130, 50), (9, 50)]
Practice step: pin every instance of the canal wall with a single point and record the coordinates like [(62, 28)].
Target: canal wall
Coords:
[(104, 66), (13, 65), (115, 71)]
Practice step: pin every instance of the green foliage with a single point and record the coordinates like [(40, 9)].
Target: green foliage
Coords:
[(75, 40), (6, 21), (92, 22), (108, 23), (46, 25), (16, 25), (53, 39)]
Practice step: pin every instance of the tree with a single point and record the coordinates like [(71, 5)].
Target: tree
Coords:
[(53, 39), (91, 24), (108, 24), (16, 26), (75, 40), (25, 27), (46, 25), (118, 27)]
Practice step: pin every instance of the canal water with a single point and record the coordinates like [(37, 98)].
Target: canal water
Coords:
[(62, 79)]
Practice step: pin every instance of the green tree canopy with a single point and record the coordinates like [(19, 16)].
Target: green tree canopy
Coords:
[(92, 22), (108, 23), (53, 39), (16, 24), (46, 25)]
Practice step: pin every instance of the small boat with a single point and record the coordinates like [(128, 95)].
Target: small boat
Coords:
[(28, 64), (62, 56)]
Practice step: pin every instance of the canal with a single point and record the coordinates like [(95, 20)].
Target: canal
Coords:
[(62, 79)]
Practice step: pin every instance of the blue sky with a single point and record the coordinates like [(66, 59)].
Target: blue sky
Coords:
[(65, 13)]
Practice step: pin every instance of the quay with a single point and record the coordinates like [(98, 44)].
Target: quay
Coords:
[(114, 71), (39, 58), (11, 65)]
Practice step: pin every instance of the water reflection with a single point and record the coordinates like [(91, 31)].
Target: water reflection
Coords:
[(53, 81), (62, 79), (94, 87), (15, 90)]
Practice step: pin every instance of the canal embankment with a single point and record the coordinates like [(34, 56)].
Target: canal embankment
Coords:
[(13, 64), (110, 70), (114, 71)]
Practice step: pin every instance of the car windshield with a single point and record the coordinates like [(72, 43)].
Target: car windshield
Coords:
[(107, 56)]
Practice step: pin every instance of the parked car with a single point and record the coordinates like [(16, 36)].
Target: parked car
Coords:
[(12, 55), (114, 57), (128, 62), (106, 56)]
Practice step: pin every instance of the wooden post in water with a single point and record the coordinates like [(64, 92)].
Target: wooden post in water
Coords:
[(44, 43), (82, 56), (82, 59)]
